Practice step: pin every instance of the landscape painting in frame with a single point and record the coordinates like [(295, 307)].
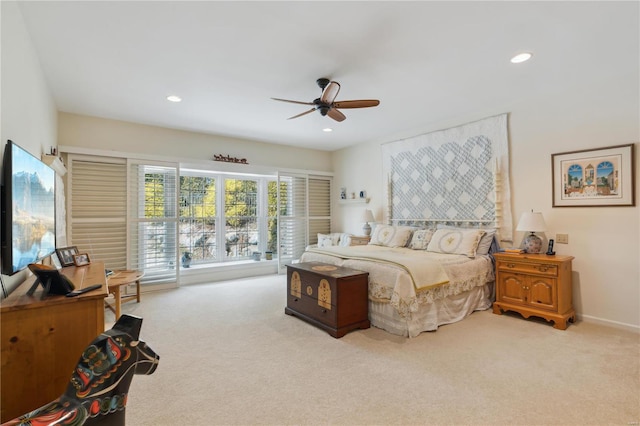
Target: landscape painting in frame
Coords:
[(594, 177)]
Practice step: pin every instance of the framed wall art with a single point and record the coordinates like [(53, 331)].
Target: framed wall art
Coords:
[(601, 177)]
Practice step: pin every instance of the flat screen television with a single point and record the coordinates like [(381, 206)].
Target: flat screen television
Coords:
[(28, 209)]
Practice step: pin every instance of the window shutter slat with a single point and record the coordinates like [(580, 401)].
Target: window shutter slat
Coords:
[(97, 210)]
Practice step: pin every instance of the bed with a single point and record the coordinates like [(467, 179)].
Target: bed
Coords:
[(420, 279)]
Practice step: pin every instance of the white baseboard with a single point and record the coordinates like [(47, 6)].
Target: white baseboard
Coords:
[(610, 323)]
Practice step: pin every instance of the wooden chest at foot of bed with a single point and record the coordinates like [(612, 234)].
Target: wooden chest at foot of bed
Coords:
[(330, 297)]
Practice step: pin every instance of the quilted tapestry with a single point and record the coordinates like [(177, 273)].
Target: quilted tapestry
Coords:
[(461, 173)]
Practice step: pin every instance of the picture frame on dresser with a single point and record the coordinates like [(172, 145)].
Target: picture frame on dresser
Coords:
[(600, 177), (81, 259), (65, 255)]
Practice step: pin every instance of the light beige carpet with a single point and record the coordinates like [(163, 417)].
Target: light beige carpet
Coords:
[(230, 356)]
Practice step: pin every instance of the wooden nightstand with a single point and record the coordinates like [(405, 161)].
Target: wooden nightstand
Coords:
[(359, 240), (535, 284)]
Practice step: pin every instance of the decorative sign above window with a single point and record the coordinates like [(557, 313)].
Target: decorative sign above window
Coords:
[(228, 159)]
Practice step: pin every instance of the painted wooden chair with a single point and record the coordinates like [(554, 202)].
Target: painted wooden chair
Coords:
[(98, 388)]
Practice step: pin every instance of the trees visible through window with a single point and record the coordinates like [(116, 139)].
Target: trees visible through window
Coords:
[(225, 218)]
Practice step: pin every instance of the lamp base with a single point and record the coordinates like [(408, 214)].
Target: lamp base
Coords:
[(366, 229), (533, 244)]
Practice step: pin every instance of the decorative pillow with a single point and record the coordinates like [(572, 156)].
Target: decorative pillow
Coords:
[(391, 236), (327, 240), (420, 239), (485, 242), (345, 240), (456, 241)]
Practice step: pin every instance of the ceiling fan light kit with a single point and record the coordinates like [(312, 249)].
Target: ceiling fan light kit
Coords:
[(326, 103)]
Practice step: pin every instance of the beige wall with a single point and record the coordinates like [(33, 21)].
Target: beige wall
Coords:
[(93, 133), (603, 240), (28, 114)]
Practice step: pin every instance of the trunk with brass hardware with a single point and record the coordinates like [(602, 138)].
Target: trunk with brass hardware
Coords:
[(330, 297), (535, 285)]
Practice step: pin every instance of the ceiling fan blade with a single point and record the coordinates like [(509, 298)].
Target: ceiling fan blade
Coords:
[(293, 102), (361, 103), (301, 114), (336, 115), (330, 92)]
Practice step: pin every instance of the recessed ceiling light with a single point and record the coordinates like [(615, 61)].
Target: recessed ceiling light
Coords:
[(174, 98), (327, 129), (521, 57)]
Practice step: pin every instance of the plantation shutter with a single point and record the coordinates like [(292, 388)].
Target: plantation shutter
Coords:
[(304, 210), (153, 220), (319, 207), (97, 208)]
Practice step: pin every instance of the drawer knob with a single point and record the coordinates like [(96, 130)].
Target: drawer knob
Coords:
[(543, 268), (511, 265)]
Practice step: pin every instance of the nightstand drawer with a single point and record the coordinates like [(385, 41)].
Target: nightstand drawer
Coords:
[(528, 268)]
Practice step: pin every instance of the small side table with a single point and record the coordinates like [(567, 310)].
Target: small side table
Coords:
[(115, 282), (360, 240)]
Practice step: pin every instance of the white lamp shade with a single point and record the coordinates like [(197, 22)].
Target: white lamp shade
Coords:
[(367, 216), (531, 222)]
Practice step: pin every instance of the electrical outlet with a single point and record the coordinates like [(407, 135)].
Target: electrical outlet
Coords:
[(562, 238)]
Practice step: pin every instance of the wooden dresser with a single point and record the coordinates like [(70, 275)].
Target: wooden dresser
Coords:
[(42, 340), (535, 284), (330, 297)]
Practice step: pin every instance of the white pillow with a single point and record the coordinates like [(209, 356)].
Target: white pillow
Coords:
[(325, 240), (456, 241), (485, 243), (391, 236), (420, 239), (345, 240)]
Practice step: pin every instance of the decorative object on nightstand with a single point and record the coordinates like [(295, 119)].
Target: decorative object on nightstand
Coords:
[(367, 217), (532, 222)]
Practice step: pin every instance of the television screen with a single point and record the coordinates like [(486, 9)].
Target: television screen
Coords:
[(28, 210)]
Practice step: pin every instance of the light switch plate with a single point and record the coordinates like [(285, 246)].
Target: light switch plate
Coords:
[(562, 238)]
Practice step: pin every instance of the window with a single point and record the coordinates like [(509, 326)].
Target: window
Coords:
[(227, 217), (242, 218), (197, 230), (153, 221), (145, 215)]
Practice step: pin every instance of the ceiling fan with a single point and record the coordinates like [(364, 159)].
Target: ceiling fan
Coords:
[(326, 103)]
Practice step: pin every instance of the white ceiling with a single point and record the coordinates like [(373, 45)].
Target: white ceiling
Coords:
[(427, 62)]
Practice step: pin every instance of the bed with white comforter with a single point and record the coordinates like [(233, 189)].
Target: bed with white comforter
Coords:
[(411, 291)]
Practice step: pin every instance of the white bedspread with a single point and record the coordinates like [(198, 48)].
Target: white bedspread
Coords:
[(424, 272), (391, 283)]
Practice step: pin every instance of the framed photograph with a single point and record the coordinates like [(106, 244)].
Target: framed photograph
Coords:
[(65, 255), (81, 259), (601, 177)]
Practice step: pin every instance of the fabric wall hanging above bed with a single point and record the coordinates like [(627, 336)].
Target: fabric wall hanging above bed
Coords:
[(456, 174)]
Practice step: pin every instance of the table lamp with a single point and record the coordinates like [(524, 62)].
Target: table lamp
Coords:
[(366, 218), (532, 222)]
